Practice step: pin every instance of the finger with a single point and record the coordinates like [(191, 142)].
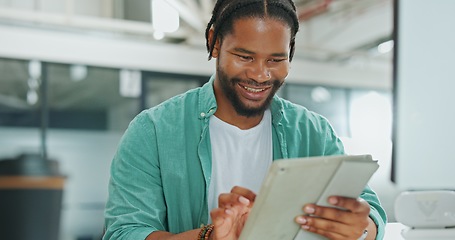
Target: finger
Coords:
[(355, 205), (234, 213), (229, 222), (359, 219), (334, 220), (328, 232), (239, 214), (222, 222), (217, 216), (331, 213), (329, 229), (250, 195), (347, 205), (227, 200)]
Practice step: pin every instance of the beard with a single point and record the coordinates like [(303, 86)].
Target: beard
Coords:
[(228, 88)]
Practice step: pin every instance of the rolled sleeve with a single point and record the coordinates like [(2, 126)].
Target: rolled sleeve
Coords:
[(377, 213), (136, 206)]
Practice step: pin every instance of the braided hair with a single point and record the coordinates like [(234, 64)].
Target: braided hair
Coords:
[(226, 12)]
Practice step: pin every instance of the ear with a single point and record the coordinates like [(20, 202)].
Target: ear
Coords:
[(216, 47)]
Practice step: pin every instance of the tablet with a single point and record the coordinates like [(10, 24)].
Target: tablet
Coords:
[(292, 183)]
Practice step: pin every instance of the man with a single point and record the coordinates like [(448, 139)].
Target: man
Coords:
[(201, 156)]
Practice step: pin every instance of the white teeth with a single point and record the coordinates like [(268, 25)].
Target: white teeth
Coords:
[(255, 90)]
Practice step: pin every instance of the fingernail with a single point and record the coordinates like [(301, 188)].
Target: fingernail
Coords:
[(301, 220), (229, 212), (309, 210), (333, 200), (244, 200), (306, 227)]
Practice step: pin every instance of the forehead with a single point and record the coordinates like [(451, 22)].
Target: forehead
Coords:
[(259, 35)]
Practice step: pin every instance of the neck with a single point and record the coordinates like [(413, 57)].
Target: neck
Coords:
[(226, 112), (232, 117)]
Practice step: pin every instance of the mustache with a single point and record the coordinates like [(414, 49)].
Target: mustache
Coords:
[(249, 82)]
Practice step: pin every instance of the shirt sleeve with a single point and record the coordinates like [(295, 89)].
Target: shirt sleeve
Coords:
[(377, 213), (135, 206)]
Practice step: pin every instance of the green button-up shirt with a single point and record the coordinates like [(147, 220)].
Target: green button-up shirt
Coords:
[(161, 172)]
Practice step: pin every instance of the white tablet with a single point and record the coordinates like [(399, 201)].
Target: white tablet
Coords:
[(292, 183)]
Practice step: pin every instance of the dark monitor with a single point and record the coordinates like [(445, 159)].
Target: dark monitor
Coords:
[(424, 95)]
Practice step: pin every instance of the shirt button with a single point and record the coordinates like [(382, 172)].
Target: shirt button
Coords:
[(202, 114)]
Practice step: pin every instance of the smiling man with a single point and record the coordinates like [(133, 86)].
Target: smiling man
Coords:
[(189, 168), (252, 63)]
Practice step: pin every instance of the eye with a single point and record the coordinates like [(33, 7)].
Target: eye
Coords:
[(277, 60), (244, 57)]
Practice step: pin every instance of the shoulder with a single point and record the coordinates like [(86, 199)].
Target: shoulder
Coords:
[(308, 133), (298, 114)]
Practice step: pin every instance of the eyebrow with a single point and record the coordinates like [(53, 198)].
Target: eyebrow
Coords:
[(243, 50)]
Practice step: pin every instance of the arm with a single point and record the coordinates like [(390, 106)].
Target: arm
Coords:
[(372, 230), (161, 235), (228, 219), (136, 205)]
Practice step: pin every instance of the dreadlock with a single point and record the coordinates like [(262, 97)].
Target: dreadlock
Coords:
[(226, 12)]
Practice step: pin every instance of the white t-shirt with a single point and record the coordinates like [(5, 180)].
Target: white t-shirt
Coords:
[(239, 157)]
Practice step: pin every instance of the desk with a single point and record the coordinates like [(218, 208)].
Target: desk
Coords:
[(393, 231)]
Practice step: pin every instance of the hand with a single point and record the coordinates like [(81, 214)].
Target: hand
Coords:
[(232, 213), (334, 223)]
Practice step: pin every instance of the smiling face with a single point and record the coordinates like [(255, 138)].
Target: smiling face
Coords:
[(252, 63)]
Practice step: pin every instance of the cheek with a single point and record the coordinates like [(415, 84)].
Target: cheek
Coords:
[(232, 67), (282, 71), (236, 66)]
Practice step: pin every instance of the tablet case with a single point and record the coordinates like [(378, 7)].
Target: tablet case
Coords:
[(292, 183)]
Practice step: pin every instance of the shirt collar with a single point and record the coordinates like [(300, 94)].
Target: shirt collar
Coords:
[(207, 101), (276, 107)]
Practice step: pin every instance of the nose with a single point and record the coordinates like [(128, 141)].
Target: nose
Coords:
[(259, 72)]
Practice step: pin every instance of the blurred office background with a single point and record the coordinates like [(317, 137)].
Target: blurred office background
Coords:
[(91, 65)]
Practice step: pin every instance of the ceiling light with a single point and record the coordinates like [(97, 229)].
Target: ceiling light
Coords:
[(385, 47), (78, 72), (165, 18), (32, 97), (34, 69)]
